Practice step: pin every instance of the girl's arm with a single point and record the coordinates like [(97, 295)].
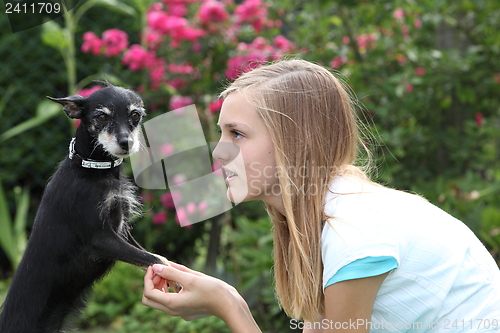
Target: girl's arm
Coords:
[(349, 304), (201, 295)]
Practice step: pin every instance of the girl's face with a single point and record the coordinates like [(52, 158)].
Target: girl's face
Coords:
[(246, 152)]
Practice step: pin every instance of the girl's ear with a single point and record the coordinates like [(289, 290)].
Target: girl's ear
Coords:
[(72, 105)]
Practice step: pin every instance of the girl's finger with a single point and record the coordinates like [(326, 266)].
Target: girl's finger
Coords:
[(185, 269)]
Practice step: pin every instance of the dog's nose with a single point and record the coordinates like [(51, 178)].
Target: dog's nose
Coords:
[(125, 142)]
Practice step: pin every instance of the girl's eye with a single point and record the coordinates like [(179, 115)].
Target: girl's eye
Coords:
[(236, 134)]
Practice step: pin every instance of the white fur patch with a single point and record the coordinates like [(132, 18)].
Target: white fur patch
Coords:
[(105, 110), (109, 143), (136, 134), (127, 196), (133, 107)]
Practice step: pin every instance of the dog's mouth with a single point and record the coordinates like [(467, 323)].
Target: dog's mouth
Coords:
[(119, 152), (123, 154), (115, 148)]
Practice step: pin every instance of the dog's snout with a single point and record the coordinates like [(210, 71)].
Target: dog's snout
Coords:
[(125, 141)]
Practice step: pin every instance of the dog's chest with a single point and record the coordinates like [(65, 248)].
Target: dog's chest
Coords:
[(118, 206)]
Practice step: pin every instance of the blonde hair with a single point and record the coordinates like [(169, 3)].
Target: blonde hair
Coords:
[(310, 117)]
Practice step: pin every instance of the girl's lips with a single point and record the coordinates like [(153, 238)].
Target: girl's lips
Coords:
[(229, 175)]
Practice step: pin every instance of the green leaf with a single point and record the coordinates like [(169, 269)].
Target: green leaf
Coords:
[(116, 6), (335, 20), (45, 111), (5, 226), (6, 97), (19, 236), (53, 36)]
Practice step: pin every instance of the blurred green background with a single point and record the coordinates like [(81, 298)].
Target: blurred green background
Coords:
[(426, 73)]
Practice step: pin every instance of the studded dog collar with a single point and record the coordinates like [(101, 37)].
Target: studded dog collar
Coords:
[(88, 163)]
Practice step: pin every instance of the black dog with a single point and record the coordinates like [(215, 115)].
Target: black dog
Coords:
[(81, 227)]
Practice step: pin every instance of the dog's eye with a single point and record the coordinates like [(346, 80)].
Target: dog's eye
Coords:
[(102, 117), (135, 116)]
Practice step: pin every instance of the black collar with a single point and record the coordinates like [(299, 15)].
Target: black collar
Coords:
[(88, 163)]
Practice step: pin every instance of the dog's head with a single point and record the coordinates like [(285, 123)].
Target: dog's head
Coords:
[(112, 115)]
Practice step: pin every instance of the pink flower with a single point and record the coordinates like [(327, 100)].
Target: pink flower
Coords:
[(479, 119), (366, 40), (184, 68), (179, 179), (259, 43), (156, 20), (399, 14), (404, 30), (191, 208), (153, 39), (182, 217), (284, 44), (160, 218), (346, 40), (212, 11), (178, 102), (115, 41), (167, 149), (216, 105), (241, 64), (417, 23), (338, 61), (187, 33), (156, 72), (197, 47), (91, 43), (136, 57), (174, 25), (202, 207), (217, 168), (88, 92), (409, 88), (170, 198), (176, 9), (147, 197), (156, 7), (419, 71), (253, 12)]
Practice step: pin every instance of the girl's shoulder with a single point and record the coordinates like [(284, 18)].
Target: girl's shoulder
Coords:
[(364, 194)]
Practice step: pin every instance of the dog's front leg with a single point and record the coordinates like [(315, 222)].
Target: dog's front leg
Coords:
[(131, 240), (109, 245)]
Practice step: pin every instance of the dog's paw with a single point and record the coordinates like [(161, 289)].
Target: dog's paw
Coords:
[(162, 260), (172, 284)]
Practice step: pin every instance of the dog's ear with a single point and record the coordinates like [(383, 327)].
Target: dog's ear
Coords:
[(72, 105)]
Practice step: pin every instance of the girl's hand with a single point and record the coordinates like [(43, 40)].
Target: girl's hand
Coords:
[(201, 295)]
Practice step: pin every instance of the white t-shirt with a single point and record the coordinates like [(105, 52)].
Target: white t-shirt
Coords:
[(446, 280)]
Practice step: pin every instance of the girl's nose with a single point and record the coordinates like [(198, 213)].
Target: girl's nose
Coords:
[(225, 152)]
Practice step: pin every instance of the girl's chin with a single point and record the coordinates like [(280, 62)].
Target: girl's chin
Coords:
[(237, 197)]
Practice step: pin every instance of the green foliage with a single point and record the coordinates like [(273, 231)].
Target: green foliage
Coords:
[(249, 248), (116, 305), (45, 111), (13, 238)]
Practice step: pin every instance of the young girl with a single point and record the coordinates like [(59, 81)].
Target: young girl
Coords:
[(349, 255)]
